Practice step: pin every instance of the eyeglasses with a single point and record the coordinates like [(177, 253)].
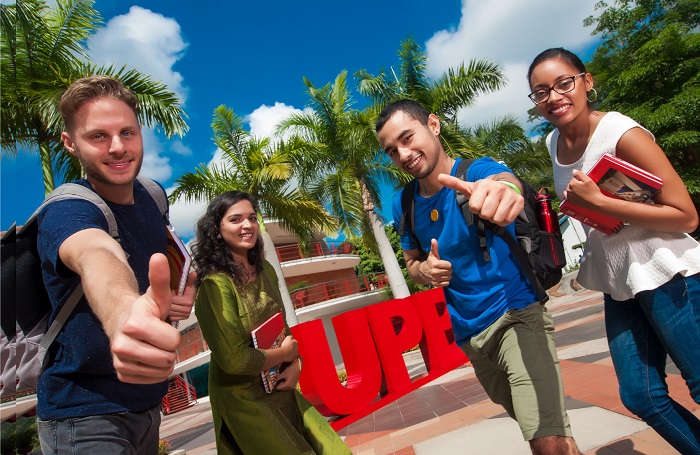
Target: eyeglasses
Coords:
[(562, 86)]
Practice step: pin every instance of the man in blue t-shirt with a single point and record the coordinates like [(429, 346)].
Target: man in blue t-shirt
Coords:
[(106, 375), (496, 318)]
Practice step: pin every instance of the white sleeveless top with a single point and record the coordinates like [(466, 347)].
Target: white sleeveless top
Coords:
[(635, 259)]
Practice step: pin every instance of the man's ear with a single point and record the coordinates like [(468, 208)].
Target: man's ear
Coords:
[(68, 143), (434, 124)]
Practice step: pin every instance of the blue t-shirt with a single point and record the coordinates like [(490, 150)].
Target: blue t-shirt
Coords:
[(80, 379), (479, 292)]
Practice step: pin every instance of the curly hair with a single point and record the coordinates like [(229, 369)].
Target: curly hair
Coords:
[(209, 250)]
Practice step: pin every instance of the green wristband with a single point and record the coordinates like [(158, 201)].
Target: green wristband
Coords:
[(512, 185)]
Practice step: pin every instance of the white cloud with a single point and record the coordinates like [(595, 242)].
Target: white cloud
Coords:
[(264, 120), (511, 33), (184, 215), (216, 157), (178, 147), (143, 40)]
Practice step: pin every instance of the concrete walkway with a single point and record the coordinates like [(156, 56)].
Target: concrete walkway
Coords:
[(452, 414)]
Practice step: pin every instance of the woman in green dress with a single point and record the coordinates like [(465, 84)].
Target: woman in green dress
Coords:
[(237, 291)]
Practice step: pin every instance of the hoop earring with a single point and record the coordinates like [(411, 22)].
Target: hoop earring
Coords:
[(595, 95)]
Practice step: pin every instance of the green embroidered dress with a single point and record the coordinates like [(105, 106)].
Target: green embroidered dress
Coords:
[(246, 419)]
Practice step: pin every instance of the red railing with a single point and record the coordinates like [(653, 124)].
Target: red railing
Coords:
[(180, 395), (192, 349), (340, 288), (316, 249)]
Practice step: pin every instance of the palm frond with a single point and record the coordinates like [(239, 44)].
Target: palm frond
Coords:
[(71, 23), (204, 183), (376, 88), (413, 64), (460, 87)]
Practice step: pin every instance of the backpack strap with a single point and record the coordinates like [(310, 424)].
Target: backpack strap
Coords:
[(524, 264), (463, 167), (469, 217), (157, 194), (62, 317), (76, 191), (407, 221)]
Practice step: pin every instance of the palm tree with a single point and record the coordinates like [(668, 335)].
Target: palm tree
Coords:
[(262, 169), (341, 165), (42, 54), (456, 89), (505, 139)]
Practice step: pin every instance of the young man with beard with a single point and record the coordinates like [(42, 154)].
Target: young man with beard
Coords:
[(496, 317), (102, 389)]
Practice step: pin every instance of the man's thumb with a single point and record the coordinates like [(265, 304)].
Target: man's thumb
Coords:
[(434, 248), (159, 279)]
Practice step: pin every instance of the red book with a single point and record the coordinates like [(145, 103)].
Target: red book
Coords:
[(597, 220), (269, 335), (618, 179), (179, 260)]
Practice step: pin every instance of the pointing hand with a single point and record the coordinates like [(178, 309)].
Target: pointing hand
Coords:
[(490, 199)]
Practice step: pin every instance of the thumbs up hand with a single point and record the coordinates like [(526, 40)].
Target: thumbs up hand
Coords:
[(435, 271), (143, 345)]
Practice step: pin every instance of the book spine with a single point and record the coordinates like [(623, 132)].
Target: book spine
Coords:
[(612, 229), (183, 283)]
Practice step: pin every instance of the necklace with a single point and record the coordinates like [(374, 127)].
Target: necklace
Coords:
[(434, 213)]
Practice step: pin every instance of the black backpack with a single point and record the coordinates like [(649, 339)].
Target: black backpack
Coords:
[(540, 254), (26, 334)]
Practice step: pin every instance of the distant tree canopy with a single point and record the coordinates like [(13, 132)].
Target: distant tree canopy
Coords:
[(371, 263), (648, 67)]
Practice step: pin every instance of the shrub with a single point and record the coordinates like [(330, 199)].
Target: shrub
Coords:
[(164, 447), (27, 438), (9, 435)]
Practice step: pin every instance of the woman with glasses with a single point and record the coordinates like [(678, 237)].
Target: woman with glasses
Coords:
[(649, 272)]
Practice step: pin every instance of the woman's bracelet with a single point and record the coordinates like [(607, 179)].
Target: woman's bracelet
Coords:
[(512, 185)]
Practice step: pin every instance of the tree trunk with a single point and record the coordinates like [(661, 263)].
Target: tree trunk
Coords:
[(391, 265), (272, 258), (46, 168)]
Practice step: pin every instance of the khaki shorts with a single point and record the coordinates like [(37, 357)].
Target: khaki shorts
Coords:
[(515, 361)]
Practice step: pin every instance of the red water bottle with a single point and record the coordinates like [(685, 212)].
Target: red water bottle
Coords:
[(549, 222), (546, 216)]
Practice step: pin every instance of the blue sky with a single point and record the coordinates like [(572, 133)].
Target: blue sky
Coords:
[(251, 56)]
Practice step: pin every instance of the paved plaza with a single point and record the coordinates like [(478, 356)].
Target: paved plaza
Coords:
[(452, 414)]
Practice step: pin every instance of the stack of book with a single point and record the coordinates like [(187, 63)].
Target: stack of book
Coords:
[(179, 260), (269, 335), (618, 179)]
